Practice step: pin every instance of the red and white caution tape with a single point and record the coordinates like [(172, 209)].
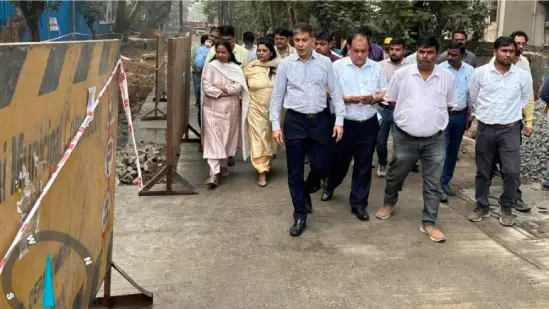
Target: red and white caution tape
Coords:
[(126, 102), (68, 152)]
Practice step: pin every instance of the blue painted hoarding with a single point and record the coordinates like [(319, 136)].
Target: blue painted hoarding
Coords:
[(65, 21)]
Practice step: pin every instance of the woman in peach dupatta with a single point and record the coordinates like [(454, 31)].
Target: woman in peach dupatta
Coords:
[(260, 75), (223, 87)]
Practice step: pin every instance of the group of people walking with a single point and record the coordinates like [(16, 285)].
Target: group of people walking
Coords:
[(335, 107)]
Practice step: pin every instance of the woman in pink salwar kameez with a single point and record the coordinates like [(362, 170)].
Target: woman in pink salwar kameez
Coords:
[(223, 87)]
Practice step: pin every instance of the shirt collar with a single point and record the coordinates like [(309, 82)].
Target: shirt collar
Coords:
[(348, 61), (295, 57), (492, 67), (447, 64), (436, 71)]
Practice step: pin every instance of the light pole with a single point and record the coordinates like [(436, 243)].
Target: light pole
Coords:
[(181, 26)]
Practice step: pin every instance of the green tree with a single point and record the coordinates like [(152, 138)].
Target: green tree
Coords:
[(91, 11), (341, 17), (32, 10), (410, 19), (154, 13)]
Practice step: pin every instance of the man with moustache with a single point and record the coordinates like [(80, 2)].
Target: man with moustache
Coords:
[(214, 35), (460, 36), (500, 90), (300, 87), (363, 83), (459, 115), (521, 40), (422, 94), (397, 50), (227, 33), (282, 42)]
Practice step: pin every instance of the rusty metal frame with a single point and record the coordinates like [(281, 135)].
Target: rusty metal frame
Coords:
[(144, 299), (160, 78), (178, 80), (187, 139)]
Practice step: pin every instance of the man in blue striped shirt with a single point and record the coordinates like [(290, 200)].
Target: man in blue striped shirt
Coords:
[(301, 82)]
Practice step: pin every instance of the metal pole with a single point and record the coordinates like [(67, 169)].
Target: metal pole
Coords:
[(181, 17), (73, 19)]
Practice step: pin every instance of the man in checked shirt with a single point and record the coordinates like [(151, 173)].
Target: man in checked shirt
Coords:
[(300, 85)]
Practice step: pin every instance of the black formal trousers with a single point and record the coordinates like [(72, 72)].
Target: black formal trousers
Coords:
[(306, 133), (359, 140), (313, 179)]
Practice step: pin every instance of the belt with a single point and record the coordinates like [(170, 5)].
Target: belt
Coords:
[(360, 121), (308, 116), (386, 107), (463, 111), (499, 126), (415, 137)]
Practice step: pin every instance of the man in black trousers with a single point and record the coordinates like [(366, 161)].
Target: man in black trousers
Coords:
[(363, 82), (301, 82)]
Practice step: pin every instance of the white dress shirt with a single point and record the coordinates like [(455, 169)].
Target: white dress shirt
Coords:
[(369, 79), (499, 99), (411, 59), (421, 105), (522, 63)]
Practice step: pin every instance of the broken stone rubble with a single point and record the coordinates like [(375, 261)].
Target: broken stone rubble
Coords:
[(152, 157)]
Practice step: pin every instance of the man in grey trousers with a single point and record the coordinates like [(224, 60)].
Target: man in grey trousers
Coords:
[(500, 91), (421, 95)]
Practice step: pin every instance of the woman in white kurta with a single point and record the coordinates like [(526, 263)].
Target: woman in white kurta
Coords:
[(223, 86)]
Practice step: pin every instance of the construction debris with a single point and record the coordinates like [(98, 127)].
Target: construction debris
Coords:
[(152, 157)]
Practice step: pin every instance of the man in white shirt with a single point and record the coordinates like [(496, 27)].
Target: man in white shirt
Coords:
[(422, 95), (227, 32), (363, 83), (521, 41), (500, 90), (397, 50), (249, 39)]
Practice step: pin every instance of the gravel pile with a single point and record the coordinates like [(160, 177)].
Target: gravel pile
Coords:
[(152, 158), (535, 149)]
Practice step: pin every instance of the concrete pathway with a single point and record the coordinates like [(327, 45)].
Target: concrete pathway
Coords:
[(230, 248)]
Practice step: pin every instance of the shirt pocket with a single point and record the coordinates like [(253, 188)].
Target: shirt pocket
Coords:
[(318, 76), (513, 91), (439, 98)]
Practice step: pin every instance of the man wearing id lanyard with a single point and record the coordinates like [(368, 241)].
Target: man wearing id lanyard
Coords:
[(363, 82)]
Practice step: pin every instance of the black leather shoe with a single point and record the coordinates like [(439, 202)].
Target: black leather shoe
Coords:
[(309, 205), (361, 213), (298, 227), (314, 188), (327, 195)]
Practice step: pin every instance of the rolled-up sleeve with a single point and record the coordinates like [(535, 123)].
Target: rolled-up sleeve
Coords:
[(336, 95), (277, 97)]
